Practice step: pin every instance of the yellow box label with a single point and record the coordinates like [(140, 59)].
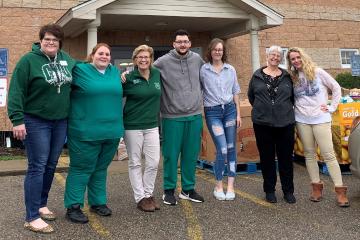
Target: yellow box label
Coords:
[(348, 111)]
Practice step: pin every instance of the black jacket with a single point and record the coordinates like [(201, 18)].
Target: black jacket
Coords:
[(264, 112)]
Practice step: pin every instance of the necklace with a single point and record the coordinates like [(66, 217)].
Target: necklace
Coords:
[(272, 73)]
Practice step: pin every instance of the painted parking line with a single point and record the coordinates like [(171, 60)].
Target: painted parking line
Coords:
[(242, 194), (250, 178), (93, 220), (193, 225)]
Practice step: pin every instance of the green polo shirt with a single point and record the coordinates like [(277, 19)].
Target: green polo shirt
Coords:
[(142, 105)]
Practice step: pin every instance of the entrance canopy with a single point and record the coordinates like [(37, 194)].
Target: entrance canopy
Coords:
[(221, 18), (218, 18)]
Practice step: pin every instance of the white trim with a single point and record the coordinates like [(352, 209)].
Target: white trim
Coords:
[(344, 65)]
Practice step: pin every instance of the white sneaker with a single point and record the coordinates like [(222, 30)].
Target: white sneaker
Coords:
[(230, 196), (219, 195)]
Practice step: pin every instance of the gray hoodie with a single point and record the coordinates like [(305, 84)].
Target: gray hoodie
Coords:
[(180, 75)]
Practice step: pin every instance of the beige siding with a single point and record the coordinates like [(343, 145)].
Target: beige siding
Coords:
[(204, 8)]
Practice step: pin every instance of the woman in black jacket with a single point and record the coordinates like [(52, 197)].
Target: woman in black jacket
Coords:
[(271, 95)]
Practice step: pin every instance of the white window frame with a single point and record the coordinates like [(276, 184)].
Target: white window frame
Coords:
[(284, 62), (346, 65)]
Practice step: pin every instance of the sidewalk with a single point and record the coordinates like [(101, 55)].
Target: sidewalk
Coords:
[(18, 167)]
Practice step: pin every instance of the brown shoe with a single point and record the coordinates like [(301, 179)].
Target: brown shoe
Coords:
[(47, 229), (154, 203), (316, 194), (145, 205), (341, 197)]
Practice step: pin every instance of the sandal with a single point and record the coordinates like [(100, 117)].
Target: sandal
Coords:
[(47, 229)]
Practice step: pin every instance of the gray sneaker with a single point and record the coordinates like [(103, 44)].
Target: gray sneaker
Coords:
[(191, 195)]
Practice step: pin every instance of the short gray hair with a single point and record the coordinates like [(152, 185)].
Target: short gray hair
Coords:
[(274, 48)]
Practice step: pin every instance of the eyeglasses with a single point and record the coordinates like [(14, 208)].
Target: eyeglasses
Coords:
[(275, 55), (182, 42), (217, 50), (48, 40), (143, 57)]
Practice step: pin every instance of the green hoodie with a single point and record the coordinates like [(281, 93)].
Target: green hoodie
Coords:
[(40, 86)]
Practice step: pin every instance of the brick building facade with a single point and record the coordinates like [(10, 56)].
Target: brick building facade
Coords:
[(322, 27)]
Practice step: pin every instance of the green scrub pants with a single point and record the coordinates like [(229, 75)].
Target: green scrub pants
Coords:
[(89, 161), (181, 136)]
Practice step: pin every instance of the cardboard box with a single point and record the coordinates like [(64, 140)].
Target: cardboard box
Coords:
[(245, 144), (121, 153), (341, 124)]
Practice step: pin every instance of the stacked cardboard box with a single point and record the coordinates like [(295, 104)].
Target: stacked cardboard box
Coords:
[(245, 144)]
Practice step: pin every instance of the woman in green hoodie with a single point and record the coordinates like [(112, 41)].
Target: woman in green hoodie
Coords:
[(39, 100)]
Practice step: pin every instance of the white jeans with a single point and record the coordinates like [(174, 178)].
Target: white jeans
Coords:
[(145, 142), (321, 133)]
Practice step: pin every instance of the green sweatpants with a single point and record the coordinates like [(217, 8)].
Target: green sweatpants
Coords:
[(89, 161), (181, 136)]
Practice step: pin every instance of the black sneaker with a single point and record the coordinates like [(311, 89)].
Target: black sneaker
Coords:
[(169, 197), (191, 195), (289, 198), (101, 210), (74, 214), (270, 197)]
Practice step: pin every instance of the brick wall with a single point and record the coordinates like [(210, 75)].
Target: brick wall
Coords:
[(320, 27), (19, 29), (20, 21), (49, 4)]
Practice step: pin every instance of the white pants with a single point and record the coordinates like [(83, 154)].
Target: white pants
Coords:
[(321, 133), (145, 142)]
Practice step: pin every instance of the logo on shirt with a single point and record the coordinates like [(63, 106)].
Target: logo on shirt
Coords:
[(56, 74), (307, 88), (136, 81), (157, 85)]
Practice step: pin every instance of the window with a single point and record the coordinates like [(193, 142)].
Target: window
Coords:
[(283, 63), (345, 57)]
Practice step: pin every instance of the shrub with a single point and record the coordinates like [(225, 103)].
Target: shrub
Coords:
[(346, 80)]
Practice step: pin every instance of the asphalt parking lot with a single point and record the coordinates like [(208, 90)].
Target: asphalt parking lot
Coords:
[(248, 217)]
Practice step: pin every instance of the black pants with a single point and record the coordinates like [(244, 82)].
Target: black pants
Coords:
[(279, 140)]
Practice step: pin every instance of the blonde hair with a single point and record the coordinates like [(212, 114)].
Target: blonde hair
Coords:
[(90, 57), (308, 66), (143, 48)]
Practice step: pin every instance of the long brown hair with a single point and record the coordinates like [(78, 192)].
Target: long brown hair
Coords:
[(211, 46), (90, 57)]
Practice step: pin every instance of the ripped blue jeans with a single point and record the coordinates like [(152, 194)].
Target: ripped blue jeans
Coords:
[(221, 122)]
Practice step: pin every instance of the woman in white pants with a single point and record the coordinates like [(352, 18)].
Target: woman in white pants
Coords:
[(313, 120), (142, 90)]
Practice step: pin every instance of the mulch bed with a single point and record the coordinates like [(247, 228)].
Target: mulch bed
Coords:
[(12, 151)]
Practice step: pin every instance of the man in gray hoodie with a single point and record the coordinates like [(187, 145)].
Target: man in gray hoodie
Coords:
[(181, 108)]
